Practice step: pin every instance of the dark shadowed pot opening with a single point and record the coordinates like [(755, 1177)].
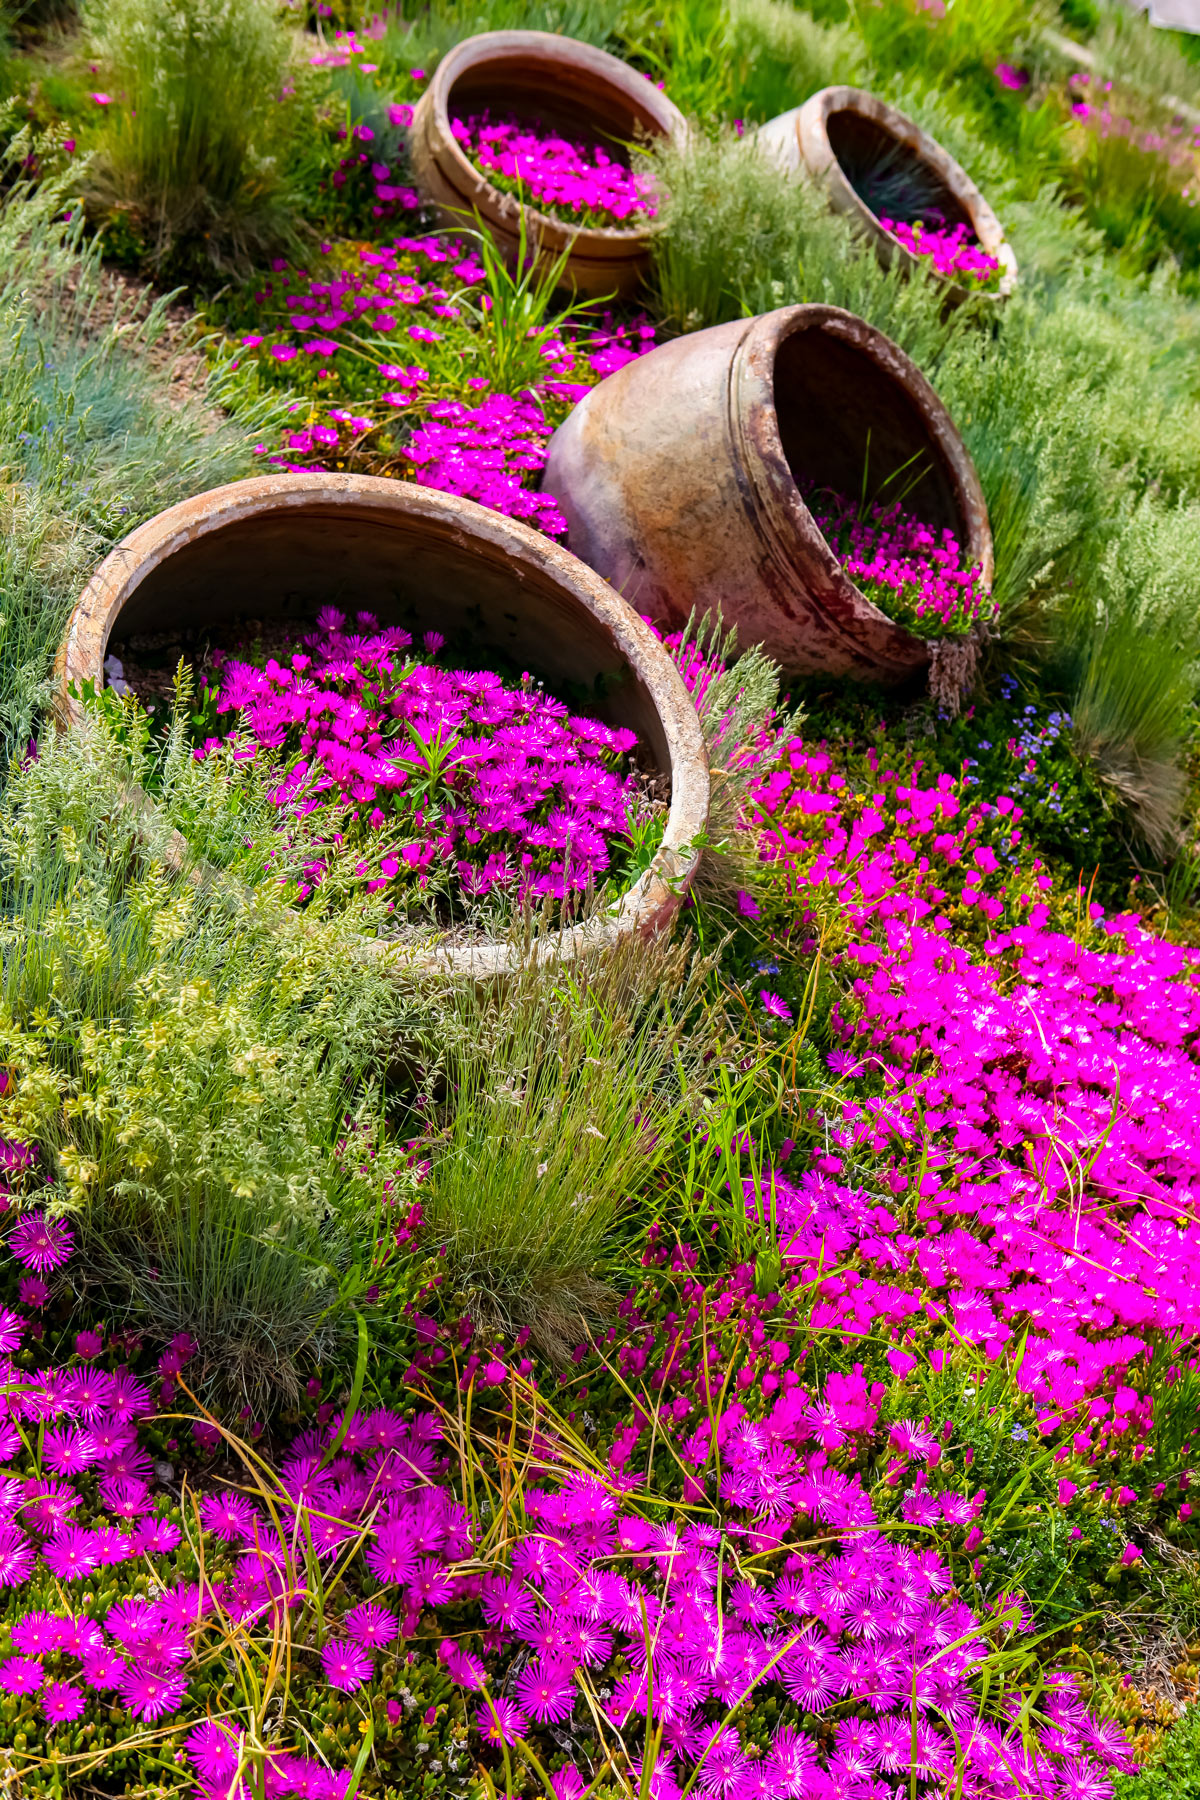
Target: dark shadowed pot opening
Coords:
[(570, 87), (841, 138), (682, 478), (845, 421), (280, 547), (862, 146)]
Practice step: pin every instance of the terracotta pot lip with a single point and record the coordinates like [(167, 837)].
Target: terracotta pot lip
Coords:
[(609, 72), (657, 892), (812, 123), (778, 494)]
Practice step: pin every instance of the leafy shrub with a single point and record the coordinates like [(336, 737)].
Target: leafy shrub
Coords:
[(195, 139), (199, 1069), (1174, 1773)]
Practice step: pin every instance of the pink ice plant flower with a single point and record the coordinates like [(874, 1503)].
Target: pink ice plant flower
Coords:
[(953, 252), (914, 572), (41, 1243), (578, 181), (529, 799)]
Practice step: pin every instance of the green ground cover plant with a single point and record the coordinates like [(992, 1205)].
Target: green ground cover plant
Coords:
[(817, 1285)]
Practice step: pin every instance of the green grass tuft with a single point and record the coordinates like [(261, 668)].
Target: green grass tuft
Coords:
[(195, 144), (563, 1095)]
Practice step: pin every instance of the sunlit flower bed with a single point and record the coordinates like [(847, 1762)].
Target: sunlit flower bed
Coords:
[(407, 337), (575, 181), (987, 1238), (590, 1598)]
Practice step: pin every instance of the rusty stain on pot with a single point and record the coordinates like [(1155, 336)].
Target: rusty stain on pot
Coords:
[(289, 544), (680, 476), (806, 141), (569, 86)]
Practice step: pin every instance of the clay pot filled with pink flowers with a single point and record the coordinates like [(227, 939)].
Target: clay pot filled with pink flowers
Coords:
[(794, 472), (529, 131), (902, 190), (455, 713)]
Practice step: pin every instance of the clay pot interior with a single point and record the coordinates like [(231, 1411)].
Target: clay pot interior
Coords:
[(828, 396), (860, 143), (518, 86), (418, 573)]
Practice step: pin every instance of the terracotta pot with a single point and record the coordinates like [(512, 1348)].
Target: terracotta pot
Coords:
[(840, 129), (286, 545), (555, 81), (678, 478)]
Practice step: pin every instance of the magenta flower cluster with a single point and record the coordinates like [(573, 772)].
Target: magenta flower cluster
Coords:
[(867, 1621), (396, 295), (1007, 1071), (954, 253), (396, 291), (910, 570), (140, 1652), (391, 197), (578, 181), (493, 789), (1176, 144), (488, 453)]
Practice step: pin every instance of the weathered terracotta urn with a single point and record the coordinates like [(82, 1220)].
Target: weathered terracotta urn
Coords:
[(841, 131), (681, 476), (539, 78), (282, 546)]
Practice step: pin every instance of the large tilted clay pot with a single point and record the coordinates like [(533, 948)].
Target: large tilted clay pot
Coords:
[(678, 478), (287, 545), (554, 81), (840, 130)]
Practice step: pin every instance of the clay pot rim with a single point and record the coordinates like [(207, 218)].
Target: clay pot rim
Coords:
[(553, 233), (766, 461), (812, 132), (653, 898)]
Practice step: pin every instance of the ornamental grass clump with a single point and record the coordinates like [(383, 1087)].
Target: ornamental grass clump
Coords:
[(197, 127), (562, 1098), (582, 183), (203, 1095)]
